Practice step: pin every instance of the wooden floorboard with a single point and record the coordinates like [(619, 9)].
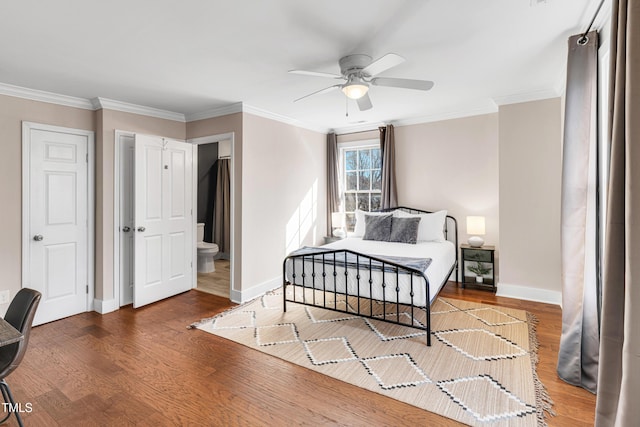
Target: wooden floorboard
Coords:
[(144, 367), (218, 282)]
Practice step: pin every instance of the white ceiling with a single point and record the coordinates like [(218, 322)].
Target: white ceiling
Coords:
[(198, 55)]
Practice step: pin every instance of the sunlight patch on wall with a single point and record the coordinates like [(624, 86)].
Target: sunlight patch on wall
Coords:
[(302, 225)]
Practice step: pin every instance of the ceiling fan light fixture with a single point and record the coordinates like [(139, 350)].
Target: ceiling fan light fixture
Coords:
[(355, 88)]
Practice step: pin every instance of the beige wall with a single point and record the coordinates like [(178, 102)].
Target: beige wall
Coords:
[(219, 126), (505, 166), (464, 165), (358, 136), (108, 121), (283, 195), (530, 184), (13, 111), (452, 165), (271, 143)]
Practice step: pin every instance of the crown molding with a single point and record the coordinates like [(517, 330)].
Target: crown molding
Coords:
[(457, 114), (43, 96), (215, 112), (110, 104), (241, 107), (449, 115), (526, 96), (86, 104), (280, 118)]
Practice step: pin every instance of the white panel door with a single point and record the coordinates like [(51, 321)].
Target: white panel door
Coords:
[(163, 219), (57, 232)]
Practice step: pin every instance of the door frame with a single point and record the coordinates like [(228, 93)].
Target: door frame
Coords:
[(116, 207), (117, 188), (208, 140), (26, 197)]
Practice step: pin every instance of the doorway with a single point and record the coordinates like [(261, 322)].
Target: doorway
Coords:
[(213, 214), (154, 237), (124, 208)]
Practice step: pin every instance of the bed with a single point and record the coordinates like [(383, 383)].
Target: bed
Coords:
[(393, 282)]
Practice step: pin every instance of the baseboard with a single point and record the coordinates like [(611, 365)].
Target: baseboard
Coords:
[(248, 294), (529, 294), (503, 290), (105, 306)]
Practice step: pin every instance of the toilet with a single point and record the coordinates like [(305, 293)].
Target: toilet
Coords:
[(206, 252)]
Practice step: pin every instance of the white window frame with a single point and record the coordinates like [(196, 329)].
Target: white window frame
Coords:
[(345, 146)]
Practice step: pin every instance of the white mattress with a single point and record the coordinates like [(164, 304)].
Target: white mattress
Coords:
[(442, 255)]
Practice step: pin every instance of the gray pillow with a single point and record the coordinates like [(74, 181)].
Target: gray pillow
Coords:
[(377, 227), (404, 230)]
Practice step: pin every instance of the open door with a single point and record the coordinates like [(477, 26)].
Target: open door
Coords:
[(164, 240)]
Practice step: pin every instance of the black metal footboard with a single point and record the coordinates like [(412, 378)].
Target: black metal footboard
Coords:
[(350, 282)]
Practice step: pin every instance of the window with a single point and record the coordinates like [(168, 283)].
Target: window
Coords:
[(361, 176)]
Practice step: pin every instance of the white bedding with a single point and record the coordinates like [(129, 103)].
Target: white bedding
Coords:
[(442, 255)]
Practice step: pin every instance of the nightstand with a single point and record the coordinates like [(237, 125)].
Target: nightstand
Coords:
[(331, 239), (483, 256)]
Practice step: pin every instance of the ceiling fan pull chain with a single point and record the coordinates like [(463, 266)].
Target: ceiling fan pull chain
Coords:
[(346, 106)]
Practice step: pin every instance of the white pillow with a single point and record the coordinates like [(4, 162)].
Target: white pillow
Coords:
[(358, 230), (431, 227)]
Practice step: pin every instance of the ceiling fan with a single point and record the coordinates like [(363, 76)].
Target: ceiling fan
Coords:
[(360, 72)]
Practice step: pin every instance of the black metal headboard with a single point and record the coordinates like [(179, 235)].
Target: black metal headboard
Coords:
[(449, 222)]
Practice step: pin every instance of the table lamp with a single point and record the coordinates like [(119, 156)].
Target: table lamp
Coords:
[(338, 223), (475, 228)]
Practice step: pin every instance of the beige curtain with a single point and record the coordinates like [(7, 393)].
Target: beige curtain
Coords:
[(579, 343), (617, 402), (222, 208), (389, 196), (333, 192)]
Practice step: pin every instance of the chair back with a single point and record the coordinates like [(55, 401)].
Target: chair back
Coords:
[(20, 315)]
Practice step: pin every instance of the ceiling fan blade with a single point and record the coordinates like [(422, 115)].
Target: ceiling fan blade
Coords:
[(382, 64), (364, 103), (318, 92), (402, 83), (316, 74)]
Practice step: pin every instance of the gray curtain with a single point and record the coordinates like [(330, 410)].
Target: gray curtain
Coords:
[(333, 193), (222, 216), (619, 377), (389, 196), (579, 343)]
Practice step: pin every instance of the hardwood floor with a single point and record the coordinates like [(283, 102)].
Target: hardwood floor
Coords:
[(143, 367), (218, 282)]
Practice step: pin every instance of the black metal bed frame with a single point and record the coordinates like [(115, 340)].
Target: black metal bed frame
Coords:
[(332, 259)]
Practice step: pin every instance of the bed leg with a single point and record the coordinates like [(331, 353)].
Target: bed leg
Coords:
[(284, 297), (428, 326)]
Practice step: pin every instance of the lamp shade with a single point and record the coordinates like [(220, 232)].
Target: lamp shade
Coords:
[(355, 91), (337, 220), (355, 88), (475, 225)]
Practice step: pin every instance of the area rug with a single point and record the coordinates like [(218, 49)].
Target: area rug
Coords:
[(479, 370)]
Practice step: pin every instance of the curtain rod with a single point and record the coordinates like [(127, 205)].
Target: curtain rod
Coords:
[(381, 125), (583, 39), (355, 133)]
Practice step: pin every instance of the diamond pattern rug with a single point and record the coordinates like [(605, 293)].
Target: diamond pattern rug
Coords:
[(479, 370)]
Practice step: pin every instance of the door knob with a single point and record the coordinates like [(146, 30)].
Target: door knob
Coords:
[(38, 237), (126, 229), (141, 229)]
